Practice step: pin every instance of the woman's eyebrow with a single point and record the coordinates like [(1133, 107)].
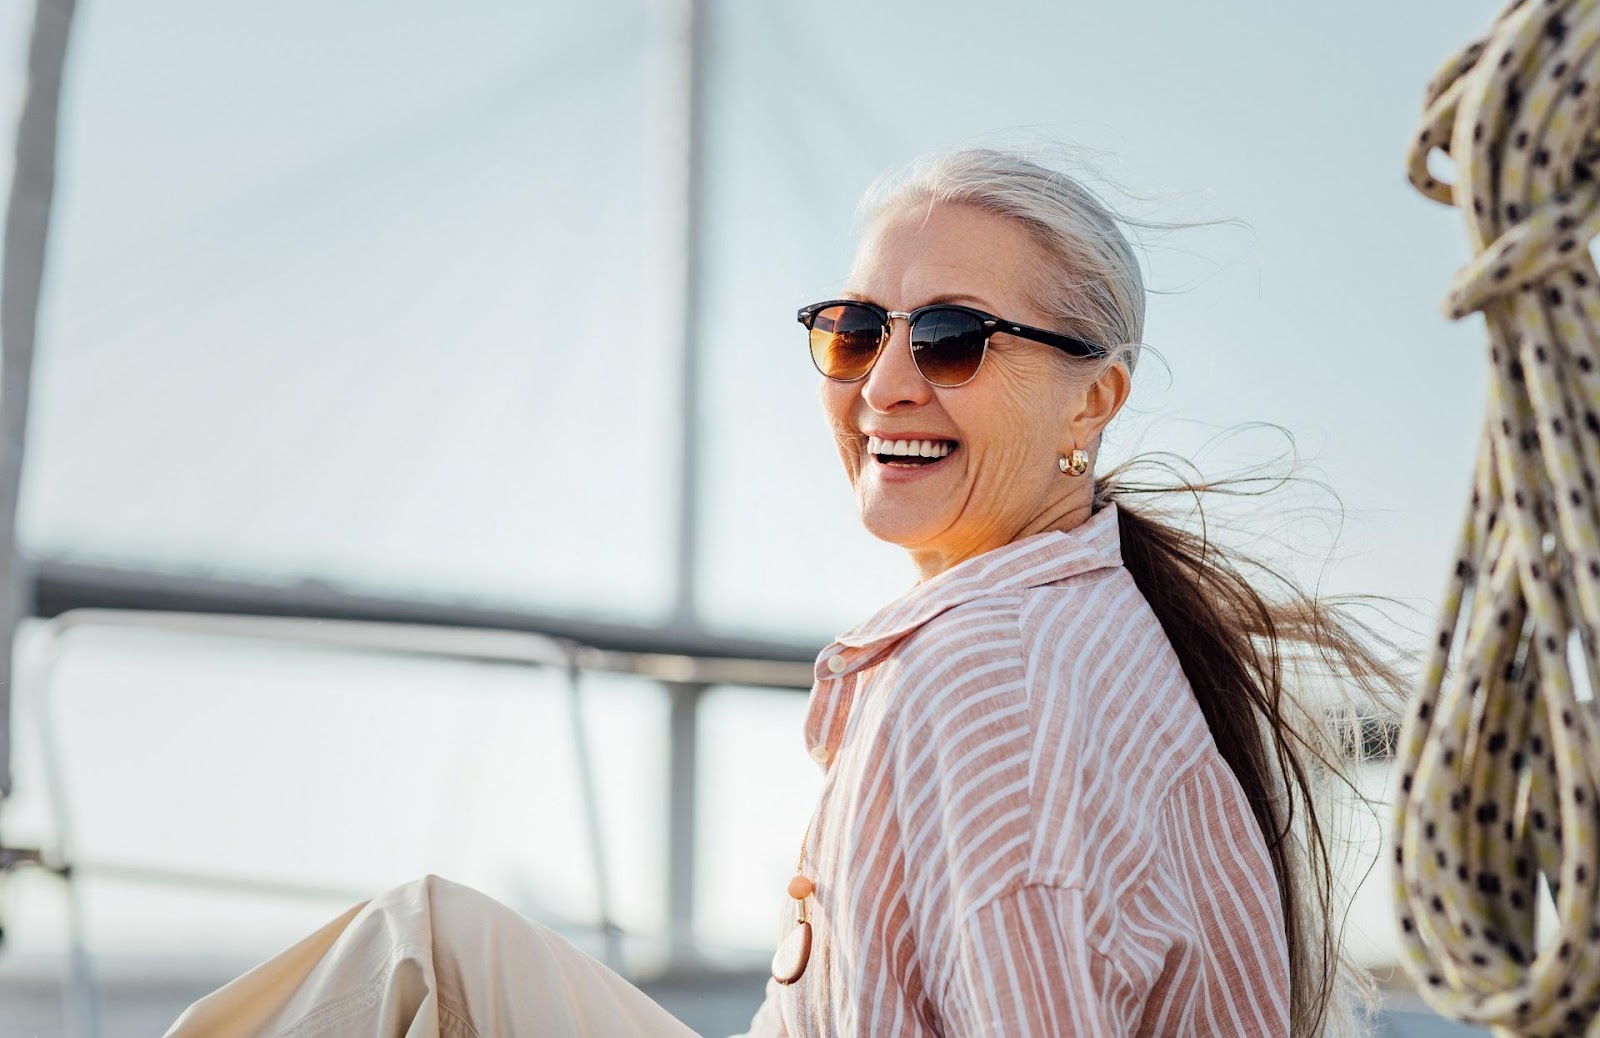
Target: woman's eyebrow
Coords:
[(960, 299), (955, 298)]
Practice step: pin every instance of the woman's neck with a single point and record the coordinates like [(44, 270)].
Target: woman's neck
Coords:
[(1062, 515)]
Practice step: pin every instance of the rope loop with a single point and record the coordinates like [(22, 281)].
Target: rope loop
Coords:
[(1499, 758)]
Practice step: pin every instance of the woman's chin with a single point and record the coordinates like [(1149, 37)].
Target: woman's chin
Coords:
[(909, 528)]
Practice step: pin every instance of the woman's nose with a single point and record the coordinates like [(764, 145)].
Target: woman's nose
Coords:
[(894, 380)]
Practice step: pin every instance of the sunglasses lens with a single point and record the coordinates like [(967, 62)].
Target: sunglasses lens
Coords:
[(845, 340), (947, 346)]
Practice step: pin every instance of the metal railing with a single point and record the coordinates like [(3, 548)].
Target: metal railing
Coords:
[(684, 677)]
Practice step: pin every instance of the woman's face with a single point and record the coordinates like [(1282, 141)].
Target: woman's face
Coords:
[(1008, 427)]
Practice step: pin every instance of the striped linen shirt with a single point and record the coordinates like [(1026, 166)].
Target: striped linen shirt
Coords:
[(1025, 828)]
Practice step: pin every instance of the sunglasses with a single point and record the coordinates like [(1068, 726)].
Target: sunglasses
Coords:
[(948, 342)]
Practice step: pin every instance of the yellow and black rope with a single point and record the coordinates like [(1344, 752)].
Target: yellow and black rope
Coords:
[(1499, 769)]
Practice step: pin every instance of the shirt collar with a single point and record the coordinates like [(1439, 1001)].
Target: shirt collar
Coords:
[(1035, 560)]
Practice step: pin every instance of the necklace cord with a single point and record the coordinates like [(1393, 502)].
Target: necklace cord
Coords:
[(1498, 761)]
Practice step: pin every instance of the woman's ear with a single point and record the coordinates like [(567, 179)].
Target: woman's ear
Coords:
[(1100, 402)]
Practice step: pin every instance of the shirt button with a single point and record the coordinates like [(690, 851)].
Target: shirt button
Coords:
[(836, 663), (820, 754)]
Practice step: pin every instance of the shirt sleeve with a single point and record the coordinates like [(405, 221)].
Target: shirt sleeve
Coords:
[(1026, 969), (768, 1022)]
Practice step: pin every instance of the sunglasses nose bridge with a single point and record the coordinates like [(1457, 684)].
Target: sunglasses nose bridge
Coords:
[(890, 316), (887, 336)]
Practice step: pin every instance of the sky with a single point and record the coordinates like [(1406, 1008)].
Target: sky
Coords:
[(378, 294)]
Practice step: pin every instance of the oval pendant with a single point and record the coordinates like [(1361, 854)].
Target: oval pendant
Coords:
[(789, 961)]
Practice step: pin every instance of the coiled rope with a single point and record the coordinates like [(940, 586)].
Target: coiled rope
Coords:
[(1498, 756)]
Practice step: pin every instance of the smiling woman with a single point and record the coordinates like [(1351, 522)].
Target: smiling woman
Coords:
[(1123, 804), (1068, 789)]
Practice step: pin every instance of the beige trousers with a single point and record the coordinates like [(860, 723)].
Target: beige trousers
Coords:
[(430, 959)]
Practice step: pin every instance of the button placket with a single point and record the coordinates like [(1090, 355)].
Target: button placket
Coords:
[(830, 739)]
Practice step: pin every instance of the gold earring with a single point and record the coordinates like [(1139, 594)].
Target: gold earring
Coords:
[(1077, 465)]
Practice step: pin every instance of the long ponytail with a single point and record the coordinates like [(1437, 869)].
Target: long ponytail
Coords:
[(1240, 648)]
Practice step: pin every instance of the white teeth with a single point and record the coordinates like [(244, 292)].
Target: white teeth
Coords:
[(912, 448)]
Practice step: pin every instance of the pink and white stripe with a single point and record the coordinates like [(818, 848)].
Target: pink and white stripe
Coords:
[(1025, 828)]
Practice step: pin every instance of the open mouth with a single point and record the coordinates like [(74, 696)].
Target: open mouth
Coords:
[(910, 453)]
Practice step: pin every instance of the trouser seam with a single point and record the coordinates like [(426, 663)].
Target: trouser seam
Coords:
[(350, 1005), (357, 1003), (467, 1027)]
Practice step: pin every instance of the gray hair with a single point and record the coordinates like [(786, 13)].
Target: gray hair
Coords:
[(1094, 289)]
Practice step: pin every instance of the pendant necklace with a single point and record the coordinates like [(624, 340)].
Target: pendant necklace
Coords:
[(794, 951)]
